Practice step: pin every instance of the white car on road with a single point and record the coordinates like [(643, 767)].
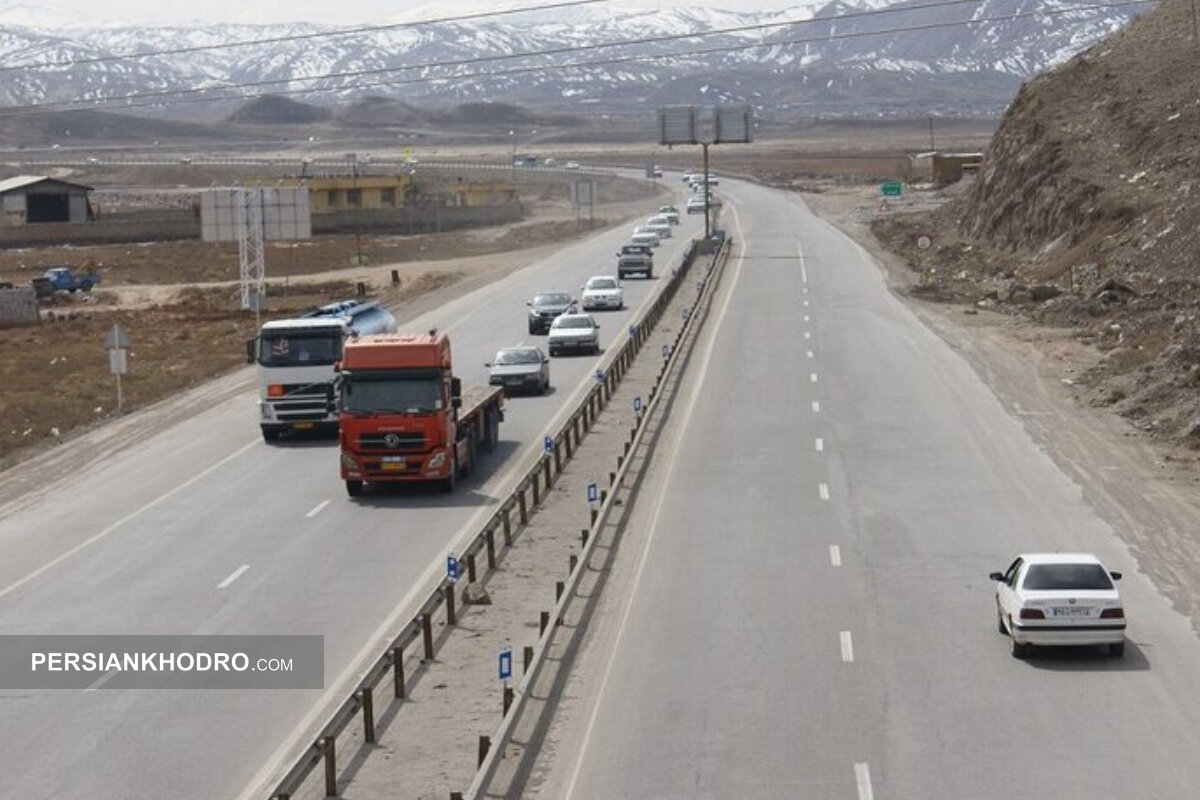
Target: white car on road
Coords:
[(1059, 599), (660, 225), (602, 291), (574, 332), (645, 236)]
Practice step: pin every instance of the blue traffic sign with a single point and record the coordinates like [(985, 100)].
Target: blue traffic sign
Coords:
[(593, 492), (504, 664), (633, 330), (548, 444), (600, 376), (453, 567), (637, 404), (666, 351)]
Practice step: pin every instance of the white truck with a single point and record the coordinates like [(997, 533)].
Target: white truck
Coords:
[(296, 360)]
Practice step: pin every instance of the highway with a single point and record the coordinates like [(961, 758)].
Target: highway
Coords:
[(205, 529), (802, 609)]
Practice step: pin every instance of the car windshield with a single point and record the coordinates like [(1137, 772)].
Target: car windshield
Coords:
[(298, 350), (602, 283), (522, 356), (1066, 577), (573, 322), (552, 299)]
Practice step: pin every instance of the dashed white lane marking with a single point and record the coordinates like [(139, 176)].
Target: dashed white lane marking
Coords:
[(835, 555), (803, 269), (823, 489), (233, 576), (807, 335), (806, 302), (813, 377), (862, 776), (816, 407), (820, 445), (811, 354), (847, 646), (320, 507), (86, 543), (807, 318), (99, 682)]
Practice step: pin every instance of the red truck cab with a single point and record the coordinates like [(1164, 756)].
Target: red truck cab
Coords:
[(403, 416)]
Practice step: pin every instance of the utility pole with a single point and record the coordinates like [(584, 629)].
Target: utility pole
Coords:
[(931, 146)]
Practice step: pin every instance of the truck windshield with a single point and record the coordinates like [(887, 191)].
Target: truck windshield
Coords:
[(391, 393), (299, 349)]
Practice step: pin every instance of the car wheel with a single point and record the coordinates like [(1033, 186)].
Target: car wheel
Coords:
[(545, 386), (1117, 649), (1019, 650)]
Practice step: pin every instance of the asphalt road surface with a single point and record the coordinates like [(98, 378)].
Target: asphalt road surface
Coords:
[(806, 612), (205, 529)]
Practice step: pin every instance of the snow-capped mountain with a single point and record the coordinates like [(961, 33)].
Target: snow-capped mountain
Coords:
[(848, 57)]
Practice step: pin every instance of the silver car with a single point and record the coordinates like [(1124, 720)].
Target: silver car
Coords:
[(520, 369), (578, 332)]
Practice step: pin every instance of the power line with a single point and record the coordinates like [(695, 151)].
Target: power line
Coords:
[(297, 37), (186, 96)]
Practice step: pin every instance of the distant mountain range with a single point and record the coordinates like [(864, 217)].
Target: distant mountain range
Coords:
[(846, 58)]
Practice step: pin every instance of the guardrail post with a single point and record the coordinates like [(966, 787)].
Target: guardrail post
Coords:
[(575, 427), (368, 709), (526, 658), (559, 588), (603, 496), (583, 536), (398, 671), (546, 470), (620, 461), (507, 527), (537, 494), (612, 476), (471, 567), (489, 537), (572, 563), (451, 616), (330, 747), (427, 636), (543, 623), (557, 459), (522, 507), (485, 744), (508, 700)]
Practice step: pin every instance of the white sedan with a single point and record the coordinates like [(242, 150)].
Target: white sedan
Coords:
[(645, 236), (602, 291), (578, 332), (1059, 599)]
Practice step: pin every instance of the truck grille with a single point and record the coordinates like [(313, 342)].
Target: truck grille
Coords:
[(408, 442)]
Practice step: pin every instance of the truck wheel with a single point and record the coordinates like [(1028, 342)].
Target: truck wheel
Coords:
[(271, 434), (354, 488), (491, 435), (450, 481)]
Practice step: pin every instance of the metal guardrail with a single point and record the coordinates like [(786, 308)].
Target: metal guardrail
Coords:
[(491, 761), (513, 512)]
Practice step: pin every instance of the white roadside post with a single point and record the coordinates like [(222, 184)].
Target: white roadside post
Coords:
[(117, 343)]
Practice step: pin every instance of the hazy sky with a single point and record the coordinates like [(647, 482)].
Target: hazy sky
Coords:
[(349, 12)]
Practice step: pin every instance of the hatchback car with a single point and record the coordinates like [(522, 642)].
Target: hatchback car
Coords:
[(602, 291), (545, 306), (578, 332), (1059, 599), (520, 369)]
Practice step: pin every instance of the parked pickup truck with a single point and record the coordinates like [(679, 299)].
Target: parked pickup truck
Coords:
[(62, 279), (635, 259)]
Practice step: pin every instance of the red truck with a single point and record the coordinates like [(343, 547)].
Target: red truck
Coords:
[(404, 416)]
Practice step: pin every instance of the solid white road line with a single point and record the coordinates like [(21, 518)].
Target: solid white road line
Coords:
[(835, 555), (824, 490), (86, 543), (233, 576), (820, 445), (639, 572), (803, 269), (847, 647), (320, 507), (862, 776)]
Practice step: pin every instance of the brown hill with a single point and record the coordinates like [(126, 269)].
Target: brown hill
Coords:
[(1087, 213)]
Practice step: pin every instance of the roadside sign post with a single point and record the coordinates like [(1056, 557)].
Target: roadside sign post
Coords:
[(504, 664), (548, 445), (117, 342), (637, 406), (453, 568), (593, 493), (600, 376), (892, 189), (666, 351)]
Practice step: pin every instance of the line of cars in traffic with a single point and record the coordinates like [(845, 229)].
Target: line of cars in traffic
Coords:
[(568, 323)]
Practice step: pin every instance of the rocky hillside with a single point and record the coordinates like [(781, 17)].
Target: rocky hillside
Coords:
[(1087, 213)]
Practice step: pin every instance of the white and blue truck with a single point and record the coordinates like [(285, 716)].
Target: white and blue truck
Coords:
[(296, 364)]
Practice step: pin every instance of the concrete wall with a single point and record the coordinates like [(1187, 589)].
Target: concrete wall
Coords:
[(169, 225), (18, 306)]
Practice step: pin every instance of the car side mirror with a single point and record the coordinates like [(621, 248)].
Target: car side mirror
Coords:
[(1116, 576), (996, 576)]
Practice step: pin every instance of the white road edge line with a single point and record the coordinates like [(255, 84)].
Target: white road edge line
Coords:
[(86, 543), (320, 507), (233, 576), (847, 646), (862, 776), (672, 461), (823, 489), (803, 269), (835, 555)]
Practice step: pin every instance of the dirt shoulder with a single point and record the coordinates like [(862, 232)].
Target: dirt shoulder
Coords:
[(1146, 490)]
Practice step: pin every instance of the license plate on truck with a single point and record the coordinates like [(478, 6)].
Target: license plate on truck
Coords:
[(392, 464)]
